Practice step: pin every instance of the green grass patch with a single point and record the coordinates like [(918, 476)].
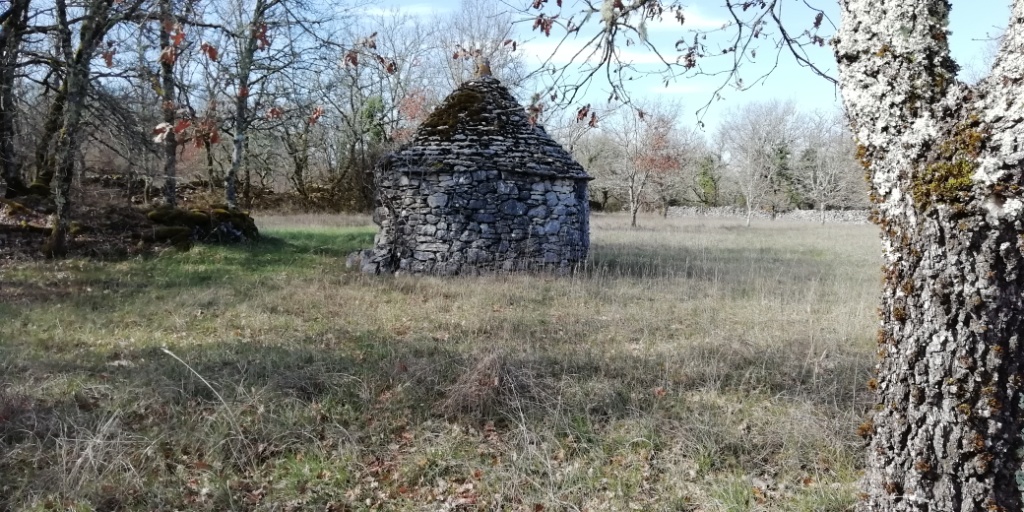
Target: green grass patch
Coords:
[(690, 366)]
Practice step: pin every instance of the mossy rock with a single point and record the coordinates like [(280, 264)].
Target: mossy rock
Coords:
[(230, 225), (39, 189), (179, 237), (220, 214), (216, 224), (15, 208), (179, 217), (196, 218), (165, 216), (171, 233)]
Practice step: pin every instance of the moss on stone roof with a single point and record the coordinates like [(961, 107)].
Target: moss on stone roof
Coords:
[(463, 105), (481, 121), (479, 103)]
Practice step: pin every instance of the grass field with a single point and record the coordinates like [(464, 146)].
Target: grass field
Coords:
[(692, 365)]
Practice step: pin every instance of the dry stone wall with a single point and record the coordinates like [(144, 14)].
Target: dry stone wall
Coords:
[(831, 216), (480, 189)]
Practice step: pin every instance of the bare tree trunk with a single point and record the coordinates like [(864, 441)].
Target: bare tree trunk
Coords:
[(99, 19), (821, 211), (44, 156), (11, 33), (237, 153), (241, 114), (945, 172), (10, 167), (67, 144), (634, 206), (247, 183), (299, 152), (167, 57), (208, 150)]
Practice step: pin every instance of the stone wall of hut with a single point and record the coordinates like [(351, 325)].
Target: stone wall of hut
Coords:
[(479, 189), (479, 221)]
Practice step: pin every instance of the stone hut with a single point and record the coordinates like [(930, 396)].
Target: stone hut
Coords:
[(479, 189)]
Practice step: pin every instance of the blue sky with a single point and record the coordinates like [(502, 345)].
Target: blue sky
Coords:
[(972, 22)]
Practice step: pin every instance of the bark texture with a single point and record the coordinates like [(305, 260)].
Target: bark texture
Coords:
[(944, 164)]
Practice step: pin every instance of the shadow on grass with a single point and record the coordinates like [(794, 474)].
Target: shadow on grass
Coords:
[(244, 408), (278, 252), (458, 379), (709, 264)]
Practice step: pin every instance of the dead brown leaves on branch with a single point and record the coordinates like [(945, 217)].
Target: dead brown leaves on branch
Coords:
[(209, 50), (352, 58), (582, 114), (544, 23), (260, 33), (369, 45)]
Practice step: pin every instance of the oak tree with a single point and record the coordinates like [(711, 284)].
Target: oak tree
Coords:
[(944, 162)]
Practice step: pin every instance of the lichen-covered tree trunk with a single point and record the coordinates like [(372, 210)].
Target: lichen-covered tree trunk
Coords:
[(67, 145), (944, 164)]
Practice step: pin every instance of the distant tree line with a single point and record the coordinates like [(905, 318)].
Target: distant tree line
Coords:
[(765, 156)]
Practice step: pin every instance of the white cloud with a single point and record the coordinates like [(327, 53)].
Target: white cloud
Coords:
[(575, 50), (694, 19), (641, 56), (684, 87), (662, 33), (420, 9), (553, 50)]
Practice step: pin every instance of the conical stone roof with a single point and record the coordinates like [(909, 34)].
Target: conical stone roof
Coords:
[(481, 125)]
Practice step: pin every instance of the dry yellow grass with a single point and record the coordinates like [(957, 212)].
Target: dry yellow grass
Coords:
[(691, 365)]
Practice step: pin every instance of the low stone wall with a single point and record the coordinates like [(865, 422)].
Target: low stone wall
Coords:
[(478, 221), (831, 216)]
